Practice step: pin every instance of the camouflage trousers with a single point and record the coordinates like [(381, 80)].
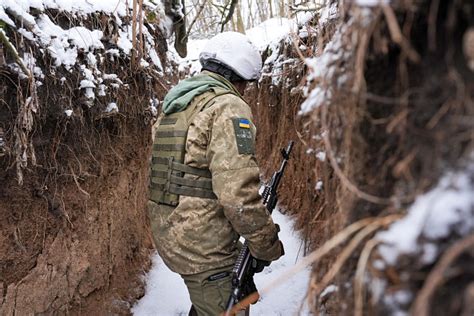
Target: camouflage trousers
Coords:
[(209, 291)]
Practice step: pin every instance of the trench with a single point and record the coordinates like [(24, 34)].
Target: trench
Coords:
[(75, 236)]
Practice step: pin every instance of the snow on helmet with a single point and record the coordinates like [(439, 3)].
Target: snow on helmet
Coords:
[(234, 51)]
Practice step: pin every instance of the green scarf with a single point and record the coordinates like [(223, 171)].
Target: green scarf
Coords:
[(181, 95)]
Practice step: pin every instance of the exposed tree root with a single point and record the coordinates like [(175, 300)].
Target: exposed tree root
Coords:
[(436, 277), (359, 292)]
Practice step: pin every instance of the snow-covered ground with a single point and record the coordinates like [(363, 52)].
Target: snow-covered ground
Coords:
[(166, 294)]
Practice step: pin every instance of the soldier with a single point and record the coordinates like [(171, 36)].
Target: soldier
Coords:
[(176, 11), (205, 177)]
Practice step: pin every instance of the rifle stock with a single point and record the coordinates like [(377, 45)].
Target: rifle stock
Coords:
[(242, 274)]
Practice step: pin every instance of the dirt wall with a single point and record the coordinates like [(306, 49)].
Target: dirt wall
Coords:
[(389, 127), (74, 235)]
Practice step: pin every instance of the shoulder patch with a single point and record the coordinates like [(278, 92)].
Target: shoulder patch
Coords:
[(243, 136), (244, 123)]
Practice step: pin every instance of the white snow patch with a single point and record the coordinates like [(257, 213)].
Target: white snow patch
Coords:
[(28, 35), (84, 38), (68, 113), (328, 13), (5, 18), (321, 156), (319, 185), (270, 31), (396, 300), (64, 44), (371, 3), (124, 42), (155, 59), (447, 208), (86, 84), (112, 107), (322, 69), (328, 290)]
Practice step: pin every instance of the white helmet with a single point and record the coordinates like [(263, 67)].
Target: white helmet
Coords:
[(234, 51)]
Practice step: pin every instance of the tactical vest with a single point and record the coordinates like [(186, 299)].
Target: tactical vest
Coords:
[(170, 177)]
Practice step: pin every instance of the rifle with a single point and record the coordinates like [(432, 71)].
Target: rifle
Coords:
[(242, 274)]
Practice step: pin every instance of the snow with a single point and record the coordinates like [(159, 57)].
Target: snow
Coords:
[(328, 13), (321, 156), (166, 294), (396, 300), (112, 107), (319, 185), (270, 31), (5, 18), (371, 3), (323, 70), (116, 7), (124, 41), (446, 209), (64, 45), (328, 290)]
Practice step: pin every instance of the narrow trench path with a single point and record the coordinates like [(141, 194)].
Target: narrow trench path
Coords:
[(166, 293)]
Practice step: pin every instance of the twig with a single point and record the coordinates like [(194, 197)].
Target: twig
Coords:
[(433, 15), (233, 4), (351, 247), (77, 183), (338, 239), (436, 276), (314, 256), (198, 13), (362, 46), (359, 276), (397, 35), (140, 30), (360, 62), (14, 52), (134, 29), (296, 9)]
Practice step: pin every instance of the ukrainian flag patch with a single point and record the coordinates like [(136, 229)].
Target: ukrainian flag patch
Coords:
[(244, 137), (244, 123)]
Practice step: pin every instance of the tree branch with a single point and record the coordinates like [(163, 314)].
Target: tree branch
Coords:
[(233, 4)]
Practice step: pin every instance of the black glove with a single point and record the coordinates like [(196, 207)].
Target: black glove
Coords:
[(281, 244), (258, 265)]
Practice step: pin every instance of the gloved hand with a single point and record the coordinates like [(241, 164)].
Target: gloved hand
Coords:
[(281, 244), (257, 265)]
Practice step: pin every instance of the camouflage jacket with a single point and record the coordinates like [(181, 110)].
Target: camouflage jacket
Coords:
[(202, 234)]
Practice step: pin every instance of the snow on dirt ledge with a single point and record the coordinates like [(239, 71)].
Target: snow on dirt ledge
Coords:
[(434, 221), (65, 45), (445, 210)]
